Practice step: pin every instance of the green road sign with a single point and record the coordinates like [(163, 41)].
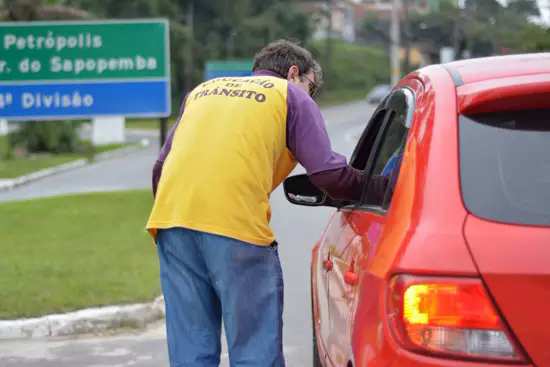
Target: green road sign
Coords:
[(221, 68), (54, 70), (83, 50)]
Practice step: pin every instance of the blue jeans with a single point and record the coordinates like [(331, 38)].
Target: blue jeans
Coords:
[(205, 278)]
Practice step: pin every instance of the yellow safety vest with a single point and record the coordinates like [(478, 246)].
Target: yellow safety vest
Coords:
[(228, 154)]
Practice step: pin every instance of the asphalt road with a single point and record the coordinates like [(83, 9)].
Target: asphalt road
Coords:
[(132, 171), (296, 227)]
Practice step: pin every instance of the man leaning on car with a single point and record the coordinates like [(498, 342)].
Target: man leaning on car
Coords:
[(235, 141)]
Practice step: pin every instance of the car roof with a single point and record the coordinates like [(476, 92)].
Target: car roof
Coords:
[(501, 82), (481, 69)]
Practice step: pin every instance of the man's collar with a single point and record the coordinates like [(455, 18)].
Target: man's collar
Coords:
[(264, 72)]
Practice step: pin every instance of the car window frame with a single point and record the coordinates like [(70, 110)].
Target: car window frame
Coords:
[(372, 128), (389, 106)]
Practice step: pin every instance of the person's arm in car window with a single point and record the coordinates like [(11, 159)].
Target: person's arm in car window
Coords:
[(308, 141)]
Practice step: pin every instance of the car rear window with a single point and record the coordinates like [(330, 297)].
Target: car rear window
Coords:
[(505, 166)]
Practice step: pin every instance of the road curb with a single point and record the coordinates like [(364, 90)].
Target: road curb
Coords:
[(120, 152), (21, 180), (87, 321), (9, 184)]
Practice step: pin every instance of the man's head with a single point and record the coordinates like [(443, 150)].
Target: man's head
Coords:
[(292, 62)]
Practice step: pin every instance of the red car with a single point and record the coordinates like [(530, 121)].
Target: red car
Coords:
[(451, 266)]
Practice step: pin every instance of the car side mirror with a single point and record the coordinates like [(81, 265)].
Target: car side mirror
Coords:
[(300, 191)]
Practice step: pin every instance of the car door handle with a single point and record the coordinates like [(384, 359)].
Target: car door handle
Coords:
[(351, 277), (328, 264)]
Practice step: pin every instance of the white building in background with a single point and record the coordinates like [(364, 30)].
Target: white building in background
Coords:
[(383, 8), (347, 15), (342, 16)]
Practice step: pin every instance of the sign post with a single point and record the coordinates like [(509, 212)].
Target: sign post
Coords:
[(3, 127), (227, 68), (163, 129), (84, 69)]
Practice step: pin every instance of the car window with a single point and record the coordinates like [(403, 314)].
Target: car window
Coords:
[(365, 145), (505, 166), (385, 162)]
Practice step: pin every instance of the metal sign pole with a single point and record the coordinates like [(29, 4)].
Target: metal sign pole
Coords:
[(395, 42), (163, 126)]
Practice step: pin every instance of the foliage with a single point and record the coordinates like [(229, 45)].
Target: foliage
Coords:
[(353, 67), (490, 28), (28, 10), (375, 30), (49, 137), (482, 28), (221, 29), (522, 8), (535, 38), (437, 30)]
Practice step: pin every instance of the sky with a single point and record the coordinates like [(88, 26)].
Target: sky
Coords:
[(544, 6), (545, 10)]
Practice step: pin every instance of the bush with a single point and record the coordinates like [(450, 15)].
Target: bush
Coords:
[(47, 137), (352, 67)]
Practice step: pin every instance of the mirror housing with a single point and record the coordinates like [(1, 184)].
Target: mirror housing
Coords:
[(300, 191)]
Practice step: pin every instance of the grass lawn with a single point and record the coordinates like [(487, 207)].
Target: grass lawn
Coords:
[(66, 253)]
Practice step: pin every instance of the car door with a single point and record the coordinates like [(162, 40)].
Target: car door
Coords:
[(333, 237), (354, 230)]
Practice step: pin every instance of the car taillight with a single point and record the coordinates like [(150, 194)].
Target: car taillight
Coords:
[(449, 316)]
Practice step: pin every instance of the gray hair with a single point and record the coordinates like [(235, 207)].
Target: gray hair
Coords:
[(280, 55)]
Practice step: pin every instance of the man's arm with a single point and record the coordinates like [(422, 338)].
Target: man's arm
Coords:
[(337, 183), (308, 140), (157, 168)]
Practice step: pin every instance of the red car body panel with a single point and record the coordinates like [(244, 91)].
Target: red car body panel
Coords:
[(506, 94), (424, 237), (426, 229), (518, 278), (492, 68)]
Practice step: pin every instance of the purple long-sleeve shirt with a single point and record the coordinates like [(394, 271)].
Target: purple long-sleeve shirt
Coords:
[(308, 141)]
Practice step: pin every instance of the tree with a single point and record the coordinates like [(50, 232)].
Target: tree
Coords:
[(535, 38), (524, 7), (16, 10), (497, 29), (483, 27), (221, 28), (52, 137)]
